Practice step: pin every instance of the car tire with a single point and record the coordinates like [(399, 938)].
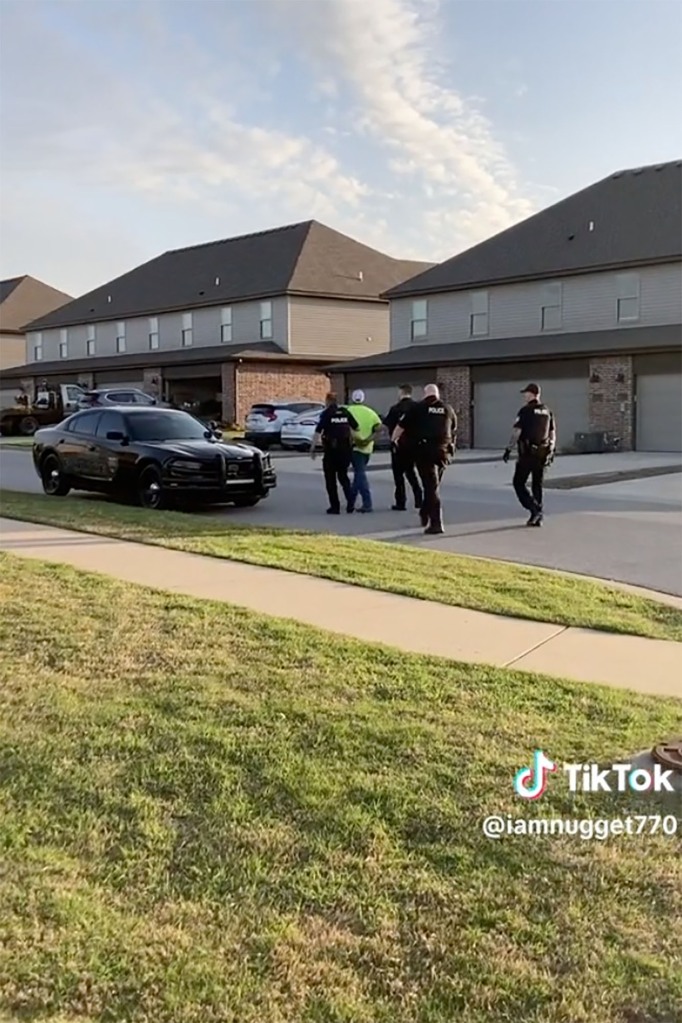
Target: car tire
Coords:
[(54, 482), (28, 426), (246, 502), (150, 493)]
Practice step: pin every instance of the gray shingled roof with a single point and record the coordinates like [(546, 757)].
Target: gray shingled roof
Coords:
[(8, 286), (513, 349), (636, 217), (305, 259)]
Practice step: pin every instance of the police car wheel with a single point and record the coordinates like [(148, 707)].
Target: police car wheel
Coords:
[(53, 480), (150, 492)]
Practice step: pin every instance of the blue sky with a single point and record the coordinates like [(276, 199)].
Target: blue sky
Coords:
[(419, 127)]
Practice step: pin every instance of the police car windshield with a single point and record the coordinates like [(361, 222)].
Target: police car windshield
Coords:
[(166, 426)]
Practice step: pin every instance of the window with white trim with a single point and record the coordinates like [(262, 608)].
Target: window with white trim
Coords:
[(64, 343), (38, 347), (627, 308), (90, 339), (418, 319), (186, 330), (226, 324), (120, 337), (266, 320), (153, 333), (478, 318), (551, 312)]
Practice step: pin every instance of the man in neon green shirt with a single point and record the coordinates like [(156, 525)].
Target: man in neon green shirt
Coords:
[(369, 424)]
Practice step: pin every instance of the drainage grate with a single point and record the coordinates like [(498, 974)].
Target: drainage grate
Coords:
[(669, 755)]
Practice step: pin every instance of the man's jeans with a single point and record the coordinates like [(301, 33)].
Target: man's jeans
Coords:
[(360, 484)]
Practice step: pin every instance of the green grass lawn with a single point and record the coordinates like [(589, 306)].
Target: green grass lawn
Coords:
[(497, 587), (209, 816), (16, 442)]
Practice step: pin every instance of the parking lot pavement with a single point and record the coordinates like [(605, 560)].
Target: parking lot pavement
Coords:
[(627, 532)]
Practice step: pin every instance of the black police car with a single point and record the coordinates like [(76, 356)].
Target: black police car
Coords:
[(154, 456)]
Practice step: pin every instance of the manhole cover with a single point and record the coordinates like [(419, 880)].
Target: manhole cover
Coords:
[(669, 755)]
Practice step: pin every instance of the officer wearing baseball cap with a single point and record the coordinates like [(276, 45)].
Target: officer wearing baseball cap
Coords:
[(534, 436)]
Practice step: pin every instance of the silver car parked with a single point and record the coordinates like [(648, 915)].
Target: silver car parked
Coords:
[(263, 426), (102, 396)]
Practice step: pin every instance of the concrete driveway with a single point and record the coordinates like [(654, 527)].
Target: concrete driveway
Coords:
[(626, 531)]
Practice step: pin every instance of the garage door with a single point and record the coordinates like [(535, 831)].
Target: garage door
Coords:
[(497, 402), (659, 412), (381, 398)]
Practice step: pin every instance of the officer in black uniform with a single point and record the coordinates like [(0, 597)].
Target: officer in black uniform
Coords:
[(335, 433), (534, 434), (429, 429), (402, 459)]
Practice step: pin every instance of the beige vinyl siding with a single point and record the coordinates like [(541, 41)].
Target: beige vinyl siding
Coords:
[(337, 327), (12, 350)]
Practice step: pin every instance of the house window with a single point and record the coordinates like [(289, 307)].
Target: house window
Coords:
[(38, 347), (186, 330), (226, 324), (90, 340), (551, 307), (153, 333), (628, 298), (120, 338), (63, 343), (478, 319), (266, 319), (418, 319)]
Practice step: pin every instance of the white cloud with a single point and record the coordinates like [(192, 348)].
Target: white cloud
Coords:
[(386, 53), (117, 155)]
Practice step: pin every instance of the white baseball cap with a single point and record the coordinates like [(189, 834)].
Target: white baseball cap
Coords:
[(358, 397)]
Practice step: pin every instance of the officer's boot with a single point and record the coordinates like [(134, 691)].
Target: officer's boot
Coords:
[(435, 527)]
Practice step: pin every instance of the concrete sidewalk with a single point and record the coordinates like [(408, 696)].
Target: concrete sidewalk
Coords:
[(417, 626)]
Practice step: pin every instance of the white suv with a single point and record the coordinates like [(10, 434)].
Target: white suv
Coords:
[(263, 426)]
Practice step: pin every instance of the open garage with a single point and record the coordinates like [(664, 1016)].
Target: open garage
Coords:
[(197, 388), (658, 402), (123, 378), (497, 399)]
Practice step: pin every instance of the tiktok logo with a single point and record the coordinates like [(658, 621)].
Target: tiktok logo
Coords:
[(531, 782)]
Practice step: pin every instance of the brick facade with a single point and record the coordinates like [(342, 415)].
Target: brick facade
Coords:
[(337, 384), (611, 397), (259, 381), (228, 393), (455, 385)]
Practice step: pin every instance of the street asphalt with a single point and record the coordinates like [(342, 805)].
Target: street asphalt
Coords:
[(625, 531)]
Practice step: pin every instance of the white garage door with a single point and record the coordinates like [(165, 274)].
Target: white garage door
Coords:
[(497, 402), (659, 412), (7, 396)]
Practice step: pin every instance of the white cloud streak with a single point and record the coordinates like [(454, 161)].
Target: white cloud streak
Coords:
[(97, 121), (385, 53)]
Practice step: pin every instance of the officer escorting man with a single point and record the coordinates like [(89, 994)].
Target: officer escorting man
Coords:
[(429, 429), (402, 458), (335, 431), (534, 434)]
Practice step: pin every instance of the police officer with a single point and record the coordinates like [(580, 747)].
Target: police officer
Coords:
[(429, 428), (534, 434), (402, 458), (335, 433)]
